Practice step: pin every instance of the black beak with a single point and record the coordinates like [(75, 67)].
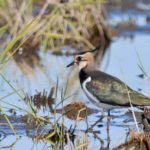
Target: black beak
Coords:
[(71, 64)]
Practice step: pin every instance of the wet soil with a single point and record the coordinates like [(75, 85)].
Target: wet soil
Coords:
[(76, 110)]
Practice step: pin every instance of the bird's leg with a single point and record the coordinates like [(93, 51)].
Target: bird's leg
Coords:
[(108, 120), (108, 126), (108, 138)]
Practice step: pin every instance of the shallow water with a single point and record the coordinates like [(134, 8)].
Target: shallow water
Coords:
[(121, 60)]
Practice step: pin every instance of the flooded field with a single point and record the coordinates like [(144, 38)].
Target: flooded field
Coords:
[(39, 95)]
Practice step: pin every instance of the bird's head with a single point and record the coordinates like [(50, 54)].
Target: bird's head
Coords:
[(84, 60)]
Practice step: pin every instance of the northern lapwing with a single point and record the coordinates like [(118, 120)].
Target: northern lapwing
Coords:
[(104, 90)]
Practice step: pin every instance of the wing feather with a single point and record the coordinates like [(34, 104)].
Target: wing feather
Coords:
[(110, 90)]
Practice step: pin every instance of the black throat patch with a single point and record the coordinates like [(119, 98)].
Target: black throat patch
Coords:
[(83, 76)]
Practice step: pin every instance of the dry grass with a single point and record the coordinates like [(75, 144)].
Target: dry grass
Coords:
[(140, 137), (75, 23)]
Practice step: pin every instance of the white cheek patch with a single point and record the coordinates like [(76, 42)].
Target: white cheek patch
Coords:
[(82, 65)]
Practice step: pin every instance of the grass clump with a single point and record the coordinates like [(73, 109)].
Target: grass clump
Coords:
[(78, 23)]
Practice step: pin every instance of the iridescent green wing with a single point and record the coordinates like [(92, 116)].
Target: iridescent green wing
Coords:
[(115, 92), (110, 91), (129, 95)]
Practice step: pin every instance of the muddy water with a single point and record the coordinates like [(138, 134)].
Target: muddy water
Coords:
[(121, 60)]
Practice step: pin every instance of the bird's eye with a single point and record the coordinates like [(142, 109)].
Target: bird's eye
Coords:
[(79, 58)]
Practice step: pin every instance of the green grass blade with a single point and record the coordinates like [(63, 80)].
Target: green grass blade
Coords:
[(140, 65), (11, 86), (15, 40), (3, 28)]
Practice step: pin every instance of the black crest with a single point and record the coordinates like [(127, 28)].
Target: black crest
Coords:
[(91, 51)]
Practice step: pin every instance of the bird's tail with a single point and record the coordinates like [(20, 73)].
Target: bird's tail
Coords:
[(140, 100)]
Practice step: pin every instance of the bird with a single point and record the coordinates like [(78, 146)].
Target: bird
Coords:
[(104, 90)]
